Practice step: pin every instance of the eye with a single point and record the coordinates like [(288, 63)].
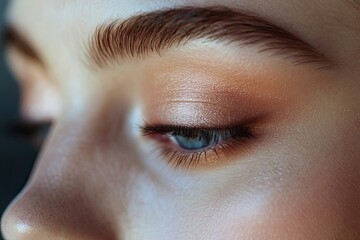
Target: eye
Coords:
[(188, 146), (32, 132)]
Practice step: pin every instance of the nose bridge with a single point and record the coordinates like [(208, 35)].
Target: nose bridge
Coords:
[(68, 195)]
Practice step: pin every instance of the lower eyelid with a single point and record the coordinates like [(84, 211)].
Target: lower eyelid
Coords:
[(219, 154)]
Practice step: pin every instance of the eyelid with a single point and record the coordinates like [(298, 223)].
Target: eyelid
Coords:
[(250, 121)]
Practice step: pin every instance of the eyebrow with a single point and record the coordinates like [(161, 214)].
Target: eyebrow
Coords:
[(355, 4), (11, 37), (139, 35)]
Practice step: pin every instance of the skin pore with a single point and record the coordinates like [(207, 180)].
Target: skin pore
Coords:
[(111, 169)]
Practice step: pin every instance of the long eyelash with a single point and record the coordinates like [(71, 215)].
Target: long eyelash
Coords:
[(235, 136)]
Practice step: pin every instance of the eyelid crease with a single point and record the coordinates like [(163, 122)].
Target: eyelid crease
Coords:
[(156, 31)]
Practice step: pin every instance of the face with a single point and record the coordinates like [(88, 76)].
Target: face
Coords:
[(189, 119)]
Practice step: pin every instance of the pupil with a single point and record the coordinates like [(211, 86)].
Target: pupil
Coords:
[(192, 143)]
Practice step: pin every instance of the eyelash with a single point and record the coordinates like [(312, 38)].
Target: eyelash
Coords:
[(226, 141)]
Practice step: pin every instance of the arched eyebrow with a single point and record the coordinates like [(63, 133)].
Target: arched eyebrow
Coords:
[(139, 35)]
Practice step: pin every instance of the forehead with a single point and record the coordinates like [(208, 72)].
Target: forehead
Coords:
[(103, 10), (85, 15), (56, 25)]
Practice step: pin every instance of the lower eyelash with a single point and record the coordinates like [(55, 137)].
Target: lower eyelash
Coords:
[(191, 159)]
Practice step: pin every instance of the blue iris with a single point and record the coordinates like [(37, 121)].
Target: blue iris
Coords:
[(192, 143)]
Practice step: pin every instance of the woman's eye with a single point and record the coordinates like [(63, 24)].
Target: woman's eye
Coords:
[(189, 146), (34, 133)]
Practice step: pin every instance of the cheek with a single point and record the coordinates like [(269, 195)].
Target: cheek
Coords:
[(318, 195), (321, 205)]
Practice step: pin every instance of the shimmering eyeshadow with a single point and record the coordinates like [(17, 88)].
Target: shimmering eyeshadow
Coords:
[(206, 94)]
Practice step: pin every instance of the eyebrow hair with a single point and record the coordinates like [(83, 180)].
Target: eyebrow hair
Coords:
[(355, 4), (11, 37), (137, 36)]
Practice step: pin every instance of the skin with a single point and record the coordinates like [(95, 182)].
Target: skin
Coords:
[(98, 178)]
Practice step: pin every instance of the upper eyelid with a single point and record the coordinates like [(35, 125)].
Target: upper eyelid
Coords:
[(176, 130), (165, 128)]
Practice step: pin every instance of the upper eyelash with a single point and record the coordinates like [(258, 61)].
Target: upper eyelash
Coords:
[(149, 129), (236, 135)]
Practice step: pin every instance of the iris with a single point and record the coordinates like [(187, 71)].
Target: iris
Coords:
[(192, 143)]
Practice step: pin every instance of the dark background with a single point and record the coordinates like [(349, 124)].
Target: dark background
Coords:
[(16, 155)]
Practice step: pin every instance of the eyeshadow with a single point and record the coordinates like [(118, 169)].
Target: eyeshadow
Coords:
[(215, 86), (201, 96)]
